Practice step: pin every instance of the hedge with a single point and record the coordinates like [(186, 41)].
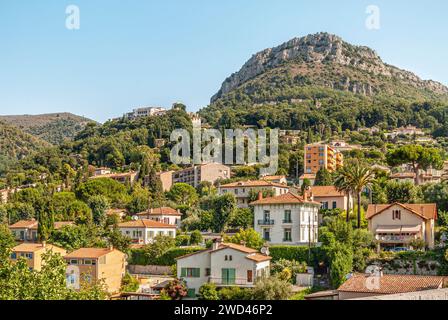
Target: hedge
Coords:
[(298, 253), (138, 257)]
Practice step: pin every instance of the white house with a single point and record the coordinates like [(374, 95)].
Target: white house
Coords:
[(331, 198), (144, 231), (165, 215), (225, 264), (242, 190), (287, 219), (397, 224)]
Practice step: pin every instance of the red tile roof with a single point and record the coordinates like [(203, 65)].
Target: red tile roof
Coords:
[(391, 284), (22, 224), (89, 253), (253, 183), (160, 211), (426, 211), (145, 223), (326, 191), (287, 198)]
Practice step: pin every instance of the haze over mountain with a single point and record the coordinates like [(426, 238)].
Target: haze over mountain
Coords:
[(54, 128)]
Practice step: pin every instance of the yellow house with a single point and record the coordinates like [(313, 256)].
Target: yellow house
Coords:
[(33, 252), (397, 224), (95, 264)]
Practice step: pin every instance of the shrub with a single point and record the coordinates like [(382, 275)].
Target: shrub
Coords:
[(196, 237), (129, 283), (235, 293), (272, 288), (208, 292), (139, 257)]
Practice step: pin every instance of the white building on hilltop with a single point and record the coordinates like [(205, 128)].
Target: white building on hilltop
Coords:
[(145, 112)]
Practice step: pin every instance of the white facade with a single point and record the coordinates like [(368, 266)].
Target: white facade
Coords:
[(146, 235), (226, 266), (287, 224), (242, 190)]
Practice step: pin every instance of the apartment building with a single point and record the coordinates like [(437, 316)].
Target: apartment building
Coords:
[(90, 265), (319, 156), (210, 172), (33, 252), (287, 219), (165, 215), (225, 264), (243, 190), (144, 231), (397, 224)]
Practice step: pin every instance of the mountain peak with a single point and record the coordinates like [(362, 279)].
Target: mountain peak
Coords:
[(324, 48)]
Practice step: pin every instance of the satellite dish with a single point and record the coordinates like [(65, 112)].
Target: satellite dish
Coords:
[(135, 218), (265, 251)]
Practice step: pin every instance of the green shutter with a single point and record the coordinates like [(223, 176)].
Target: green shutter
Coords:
[(197, 272), (183, 272), (191, 293), (232, 274)]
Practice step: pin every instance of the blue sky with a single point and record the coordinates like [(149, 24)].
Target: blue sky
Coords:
[(131, 53)]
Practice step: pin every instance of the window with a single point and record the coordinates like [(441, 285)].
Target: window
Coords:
[(250, 276), (160, 233), (287, 216), (171, 233), (28, 255), (396, 214), (287, 236), (267, 215), (73, 261), (13, 255), (267, 234), (190, 272), (89, 262), (236, 191), (208, 272), (335, 205), (151, 234)]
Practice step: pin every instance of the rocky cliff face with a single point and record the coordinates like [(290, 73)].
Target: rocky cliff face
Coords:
[(324, 48)]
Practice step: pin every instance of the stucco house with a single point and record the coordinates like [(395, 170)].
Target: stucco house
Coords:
[(164, 215), (145, 230), (287, 219), (397, 224), (33, 253), (331, 198), (225, 264), (242, 190), (90, 265)]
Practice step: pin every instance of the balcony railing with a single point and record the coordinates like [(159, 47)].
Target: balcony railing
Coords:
[(287, 221), (266, 222), (395, 238), (230, 282)]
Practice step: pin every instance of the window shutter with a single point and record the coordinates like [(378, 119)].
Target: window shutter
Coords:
[(183, 272), (197, 272)]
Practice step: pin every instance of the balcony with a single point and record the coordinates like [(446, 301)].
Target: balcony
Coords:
[(231, 282), (395, 238), (287, 221), (266, 222)]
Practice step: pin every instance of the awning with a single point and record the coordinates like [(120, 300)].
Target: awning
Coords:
[(398, 229)]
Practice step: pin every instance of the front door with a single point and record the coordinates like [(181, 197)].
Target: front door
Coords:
[(267, 234), (228, 276), (250, 277)]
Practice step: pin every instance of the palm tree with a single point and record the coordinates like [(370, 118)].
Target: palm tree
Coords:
[(356, 177), (342, 185)]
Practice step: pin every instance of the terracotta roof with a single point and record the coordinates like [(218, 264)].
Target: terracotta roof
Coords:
[(160, 211), (145, 223), (32, 247), (89, 253), (114, 175), (390, 284), (310, 176), (426, 211), (289, 198), (235, 247), (31, 224), (253, 183), (61, 224), (326, 191), (270, 178), (258, 257), (403, 175)]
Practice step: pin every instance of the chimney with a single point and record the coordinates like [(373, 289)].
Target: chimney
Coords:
[(311, 196), (305, 195), (216, 243), (44, 244), (260, 195), (111, 247)]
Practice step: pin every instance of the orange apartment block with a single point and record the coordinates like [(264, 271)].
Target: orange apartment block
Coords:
[(319, 156), (95, 264), (33, 252)]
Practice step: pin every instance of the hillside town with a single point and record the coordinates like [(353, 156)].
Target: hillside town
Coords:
[(216, 231)]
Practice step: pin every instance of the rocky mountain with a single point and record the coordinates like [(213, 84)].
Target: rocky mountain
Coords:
[(54, 128), (326, 60)]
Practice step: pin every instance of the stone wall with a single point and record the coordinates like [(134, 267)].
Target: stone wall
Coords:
[(150, 270)]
